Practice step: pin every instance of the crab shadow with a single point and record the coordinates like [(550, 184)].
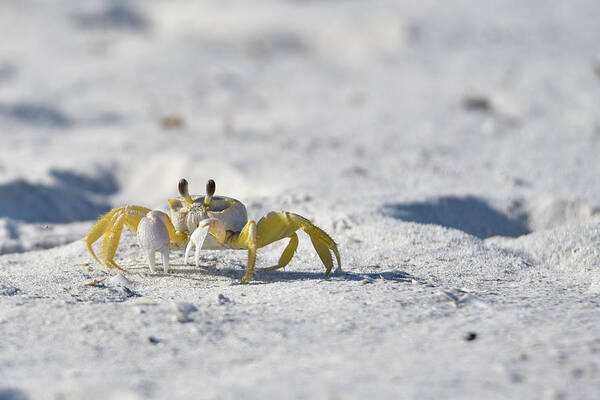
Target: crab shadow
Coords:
[(236, 273), (469, 214), (262, 276)]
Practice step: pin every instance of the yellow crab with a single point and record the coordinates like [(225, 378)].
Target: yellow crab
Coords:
[(206, 222)]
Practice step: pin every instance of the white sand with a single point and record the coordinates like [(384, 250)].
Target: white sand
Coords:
[(450, 149)]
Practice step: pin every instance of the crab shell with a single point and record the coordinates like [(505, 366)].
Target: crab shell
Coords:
[(186, 217)]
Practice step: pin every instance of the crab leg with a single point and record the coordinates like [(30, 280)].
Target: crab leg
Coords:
[(99, 229), (278, 225), (248, 237), (322, 242), (287, 255), (111, 240)]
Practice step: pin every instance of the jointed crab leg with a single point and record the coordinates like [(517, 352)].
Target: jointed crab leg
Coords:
[(287, 254), (248, 238), (279, 225), (322, 242), (98, 230), (111, 240)]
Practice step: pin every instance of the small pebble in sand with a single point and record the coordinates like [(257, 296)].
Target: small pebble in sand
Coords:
[(153, 340)]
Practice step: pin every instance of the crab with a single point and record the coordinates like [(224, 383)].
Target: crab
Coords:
[(206, 222)]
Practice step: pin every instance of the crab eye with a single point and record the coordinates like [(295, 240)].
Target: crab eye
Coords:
[(183, 187), (183, 190), (211, 186)]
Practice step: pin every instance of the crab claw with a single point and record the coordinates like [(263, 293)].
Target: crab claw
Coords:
[(153, 236), (199, 235), (196, 240)]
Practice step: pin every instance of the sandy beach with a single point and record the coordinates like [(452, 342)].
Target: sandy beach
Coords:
[(450, 149)]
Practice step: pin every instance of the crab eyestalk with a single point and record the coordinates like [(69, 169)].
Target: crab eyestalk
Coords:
[(183, 190), (211, 186)]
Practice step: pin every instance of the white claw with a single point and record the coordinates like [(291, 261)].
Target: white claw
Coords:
[(153, 236), (197, 239)]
